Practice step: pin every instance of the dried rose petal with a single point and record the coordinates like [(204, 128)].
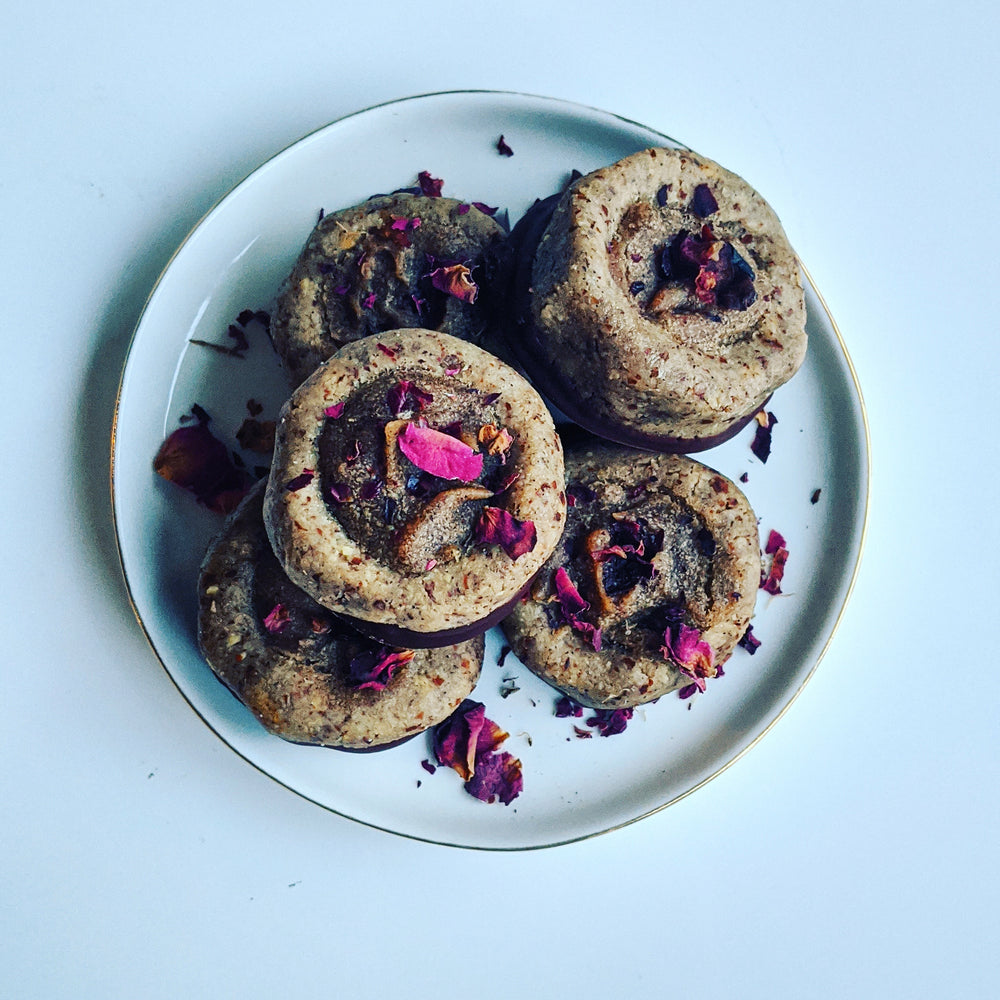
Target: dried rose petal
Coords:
[(498, 776), (717, 274), (440, 454), (771, 583), (761, 445), (374, 668), (775, 541), (610, 721), (335, 411), (196, 460), (387, 351), (405, 396), (703, 202), (497, 440), (571, 604), (455, 280), (497, 526), (430, 187), (304, 478), (692, 655), (566, 708), (341, 492), (454, 740), (749, 642), (277, 619), (502, 148)]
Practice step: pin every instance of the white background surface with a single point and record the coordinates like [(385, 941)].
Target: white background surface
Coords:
[(853, 852)]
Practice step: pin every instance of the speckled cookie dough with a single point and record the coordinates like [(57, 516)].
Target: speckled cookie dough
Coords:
[(660, 304), (394, 261), (306, 676), (417, 486), (652, 585)]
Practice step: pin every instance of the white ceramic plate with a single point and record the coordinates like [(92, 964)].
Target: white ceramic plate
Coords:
[(573, 788)]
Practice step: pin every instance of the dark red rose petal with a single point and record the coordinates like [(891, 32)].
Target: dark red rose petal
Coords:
[(566, 708), (771, 583), (775, 541), (194, 459), (571, 604), (304, 478), (497, 526), (749, 642), (430, 186), (498, 776), (374, 668), (502, 148), (703, 203), (455, 280), (610, 721), (761, 445)]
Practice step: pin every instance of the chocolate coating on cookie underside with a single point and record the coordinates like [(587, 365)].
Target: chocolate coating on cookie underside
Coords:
[(387, 264), (306, 675), (652, 544), (650, 309)]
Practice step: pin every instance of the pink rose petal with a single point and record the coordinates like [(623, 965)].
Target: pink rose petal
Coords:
[(440, 454)]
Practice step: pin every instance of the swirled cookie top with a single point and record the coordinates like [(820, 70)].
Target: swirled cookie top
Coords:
[(414, 456), (411, 461)]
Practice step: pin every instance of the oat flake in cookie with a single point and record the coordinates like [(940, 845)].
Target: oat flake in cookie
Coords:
[(417, 487), (652, 586), (395, 261), (659, 302), (305, 675)]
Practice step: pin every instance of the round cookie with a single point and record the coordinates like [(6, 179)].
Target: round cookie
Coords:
[(652, 586), (399, 260), (416, 487), (304, 674), (658, 302)]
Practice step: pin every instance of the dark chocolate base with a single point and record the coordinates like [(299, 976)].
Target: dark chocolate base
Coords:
[(524, 340), (396, 635)]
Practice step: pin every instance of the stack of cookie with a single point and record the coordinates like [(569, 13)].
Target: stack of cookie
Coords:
[(419, 493)]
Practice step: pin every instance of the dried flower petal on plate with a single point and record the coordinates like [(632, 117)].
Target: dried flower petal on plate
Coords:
[(193, 458), (467, 741)]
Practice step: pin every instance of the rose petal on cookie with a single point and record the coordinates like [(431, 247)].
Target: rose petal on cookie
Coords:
[(440, 454), (571, 604), (456, 280), (693, 656), (374, 667), (497, 526)]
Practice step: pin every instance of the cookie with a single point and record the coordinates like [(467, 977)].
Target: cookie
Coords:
[(399, 260), (652, 585), (307, 676), (416, 487), (658, 302)]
